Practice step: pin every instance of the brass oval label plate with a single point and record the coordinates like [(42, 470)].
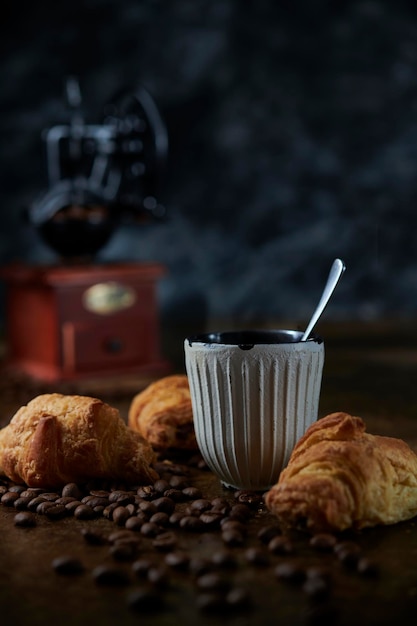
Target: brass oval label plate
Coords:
[(107, 298)]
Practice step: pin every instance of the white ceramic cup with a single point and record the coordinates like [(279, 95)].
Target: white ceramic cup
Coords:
[(254, 394)]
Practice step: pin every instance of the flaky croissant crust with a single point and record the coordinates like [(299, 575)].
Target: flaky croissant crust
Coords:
[(162, 414), (56, 439), (341, 477)]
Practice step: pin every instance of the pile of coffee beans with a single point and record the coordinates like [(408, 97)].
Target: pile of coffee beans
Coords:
[(170, 529)]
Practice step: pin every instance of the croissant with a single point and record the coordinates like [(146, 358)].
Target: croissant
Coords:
[(341, 477), (56, 439), (162, 414)]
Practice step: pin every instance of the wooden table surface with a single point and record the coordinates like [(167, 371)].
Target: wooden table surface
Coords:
[(370, 371)]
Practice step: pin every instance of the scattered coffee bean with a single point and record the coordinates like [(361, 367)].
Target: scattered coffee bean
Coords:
[(17, 489), (148, 529), (223, 558), (25, 519), (280, 545), (9, 498), (141, 567), (121, 515), (266, 533), (71, 506), (124, 551), (178, 482), (164, 504), (212, 582), (67, 565), (368, 567), (135, 522), (34, 503), (256, 556), (238, 598), (348, 553), (42, 508), (56, 511), (177, 559), (317, 588), (191, 523), (165, 542), (192, 493), (211, 602), (175, 494), (144, 600), (93, 538), (290, 572), (110, 576), (158, 576), (72, 490), (324, 542), (233, 537), (83, 511), (21, 503)]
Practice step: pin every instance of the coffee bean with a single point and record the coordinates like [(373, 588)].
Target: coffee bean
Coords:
[(192, 493), (233, 538), (67, 565), (110, 576), (161, 519), (108, 510), (164, 504), (121, 535), (251, 498), (323, 541), (147, 492), (199, 566), (178, 482), (211, 602), (144, 600), (266, 533), (141, 567), (148, 529), (21, 503), (93, 538), (256, 556), (175, 494), (223, 558), (9, 498), (212, 582), (317, 588), (121, 497), (161, 485), (72, 490), (191, 523), (34, 503), (25, 519), (44, 506), (240, 512), (66, 500), (121, 515), (165, 542), (348, 553), (290, 572), (55, 512), (148, 507), (368, 567), (123, 551), (51, 496), (280, 545), (72, 506), (232, 524), (17, 489), (211, 519), (238, 598), (200, 505), (177, 559), (135, 522), (176, 518), (83, 511), (158, 576)]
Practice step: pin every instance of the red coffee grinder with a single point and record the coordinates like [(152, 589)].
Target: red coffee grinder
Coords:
[(79, 318)]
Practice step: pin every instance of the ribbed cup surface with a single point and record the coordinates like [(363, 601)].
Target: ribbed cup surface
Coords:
[(251, 406)]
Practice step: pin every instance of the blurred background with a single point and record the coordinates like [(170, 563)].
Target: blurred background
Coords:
[(292, 132)]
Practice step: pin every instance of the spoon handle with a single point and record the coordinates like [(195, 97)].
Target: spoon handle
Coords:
[(336, 271)]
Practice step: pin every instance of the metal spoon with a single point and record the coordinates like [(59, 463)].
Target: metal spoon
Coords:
[(335, 274)]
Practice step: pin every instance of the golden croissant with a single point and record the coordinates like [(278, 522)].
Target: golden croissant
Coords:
[(341, 477), (162, 414), (56, 439)]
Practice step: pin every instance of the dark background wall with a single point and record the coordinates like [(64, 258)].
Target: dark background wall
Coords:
[(293, 140)]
